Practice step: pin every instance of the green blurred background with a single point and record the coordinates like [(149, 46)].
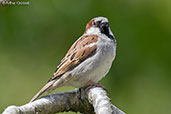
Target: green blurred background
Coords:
[(34, 38)]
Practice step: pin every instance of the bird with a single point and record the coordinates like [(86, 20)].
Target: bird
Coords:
[(87, 61)]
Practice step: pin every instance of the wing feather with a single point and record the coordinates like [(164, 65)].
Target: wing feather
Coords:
[(78, 52)]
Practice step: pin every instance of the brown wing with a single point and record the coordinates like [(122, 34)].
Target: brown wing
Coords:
[(78, 52)]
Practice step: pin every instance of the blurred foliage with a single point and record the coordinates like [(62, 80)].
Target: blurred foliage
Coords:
[(34, 38)]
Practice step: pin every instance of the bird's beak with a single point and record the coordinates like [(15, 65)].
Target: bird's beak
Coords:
[(104, 25)]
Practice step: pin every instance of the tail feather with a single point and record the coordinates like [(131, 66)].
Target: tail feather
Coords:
[(44, 89)]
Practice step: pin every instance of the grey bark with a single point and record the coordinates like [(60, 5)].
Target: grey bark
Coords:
[(92, 101)]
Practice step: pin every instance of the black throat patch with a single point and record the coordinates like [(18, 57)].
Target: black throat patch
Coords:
[(105, 30)]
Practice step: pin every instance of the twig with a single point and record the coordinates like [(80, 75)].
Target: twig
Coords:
[(76, 101)]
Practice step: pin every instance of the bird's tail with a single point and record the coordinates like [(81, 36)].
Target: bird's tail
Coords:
[(44, 89)]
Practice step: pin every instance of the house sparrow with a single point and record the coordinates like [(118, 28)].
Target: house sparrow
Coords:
[(87, 61)]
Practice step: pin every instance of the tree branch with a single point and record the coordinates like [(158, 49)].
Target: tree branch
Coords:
[(76, 101)]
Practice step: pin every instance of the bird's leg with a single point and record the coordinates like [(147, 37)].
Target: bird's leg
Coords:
[(79, 93), (93, 84)]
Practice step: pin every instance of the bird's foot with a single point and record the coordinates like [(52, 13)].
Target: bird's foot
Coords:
[(93, 84)]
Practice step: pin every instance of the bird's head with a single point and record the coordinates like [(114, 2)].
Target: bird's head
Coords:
[(99, 25)]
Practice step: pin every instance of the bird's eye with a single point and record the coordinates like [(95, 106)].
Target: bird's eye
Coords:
[(94, 23)]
